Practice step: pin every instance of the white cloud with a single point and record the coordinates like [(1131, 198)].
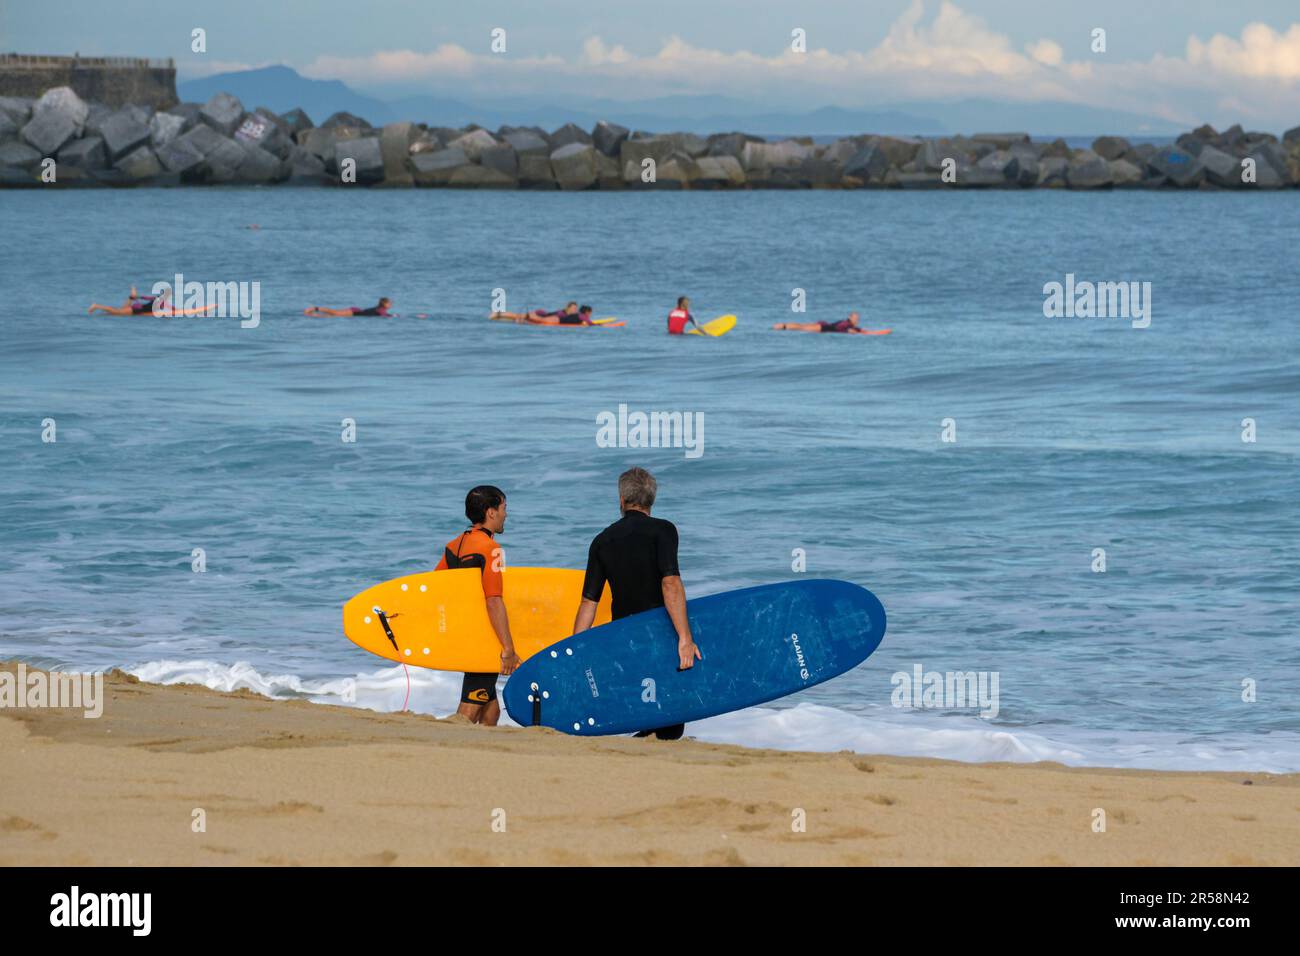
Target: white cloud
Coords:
[(448, 62), (1261, 52), (1046, 52), (944, 55), (955, 43), (596, 52), (194, 67), (953, 54)]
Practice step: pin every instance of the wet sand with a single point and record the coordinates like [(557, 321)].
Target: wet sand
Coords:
[(290, 782)]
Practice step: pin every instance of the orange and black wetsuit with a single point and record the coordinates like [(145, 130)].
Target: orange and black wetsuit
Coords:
[(476, 548)]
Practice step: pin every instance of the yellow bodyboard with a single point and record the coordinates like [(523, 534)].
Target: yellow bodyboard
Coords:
[(439, 618), (715, 327)]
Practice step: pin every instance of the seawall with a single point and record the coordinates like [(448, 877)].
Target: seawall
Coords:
[(113, 81), (62, 139)]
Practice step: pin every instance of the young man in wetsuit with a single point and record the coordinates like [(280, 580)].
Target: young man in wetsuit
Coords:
[(679, 316), (637, 555), (381, 310), (485, 507)]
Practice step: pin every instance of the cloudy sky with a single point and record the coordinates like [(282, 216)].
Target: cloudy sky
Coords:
[(1184, 60)]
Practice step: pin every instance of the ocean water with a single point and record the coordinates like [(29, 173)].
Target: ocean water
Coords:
[(1072, 434)]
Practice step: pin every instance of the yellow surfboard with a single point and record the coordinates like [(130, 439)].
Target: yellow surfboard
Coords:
[(438, 619), (719, 326)]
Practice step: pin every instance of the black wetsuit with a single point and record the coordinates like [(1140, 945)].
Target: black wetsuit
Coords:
[(564, 318), (634, 555)]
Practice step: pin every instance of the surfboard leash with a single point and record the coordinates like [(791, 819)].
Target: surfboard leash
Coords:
[(383, 620)]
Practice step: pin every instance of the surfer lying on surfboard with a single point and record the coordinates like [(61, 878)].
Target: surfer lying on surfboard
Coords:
[(381, 309), (138, 304), (569, 315), (847, 326)]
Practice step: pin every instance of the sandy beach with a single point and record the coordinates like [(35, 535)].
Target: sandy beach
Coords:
[(299, 783)]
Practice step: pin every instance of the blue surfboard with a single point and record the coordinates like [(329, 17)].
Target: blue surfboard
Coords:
[(758, 644)]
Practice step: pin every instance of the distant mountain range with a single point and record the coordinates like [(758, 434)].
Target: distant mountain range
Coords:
[(280, 88)]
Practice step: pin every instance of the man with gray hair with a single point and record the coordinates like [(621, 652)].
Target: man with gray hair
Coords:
[(637, 555)]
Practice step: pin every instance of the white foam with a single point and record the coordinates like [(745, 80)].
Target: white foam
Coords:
[(807, 727), (813, 727), (385, 690)]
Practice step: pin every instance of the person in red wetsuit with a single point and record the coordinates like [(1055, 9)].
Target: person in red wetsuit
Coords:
[(679, 316)]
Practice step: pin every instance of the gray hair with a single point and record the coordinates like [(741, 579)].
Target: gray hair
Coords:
[(637, 488)]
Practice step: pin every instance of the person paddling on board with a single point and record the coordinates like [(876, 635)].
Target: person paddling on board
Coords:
[(381, 310), (847, 326), (485, 507), (679, 316), (159, 305), (135, 304), (571, 314), (637, 555)]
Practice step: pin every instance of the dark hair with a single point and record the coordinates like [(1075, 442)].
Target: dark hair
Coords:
[(567, 304), (680, 300), (585, 310), (480, 499)]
